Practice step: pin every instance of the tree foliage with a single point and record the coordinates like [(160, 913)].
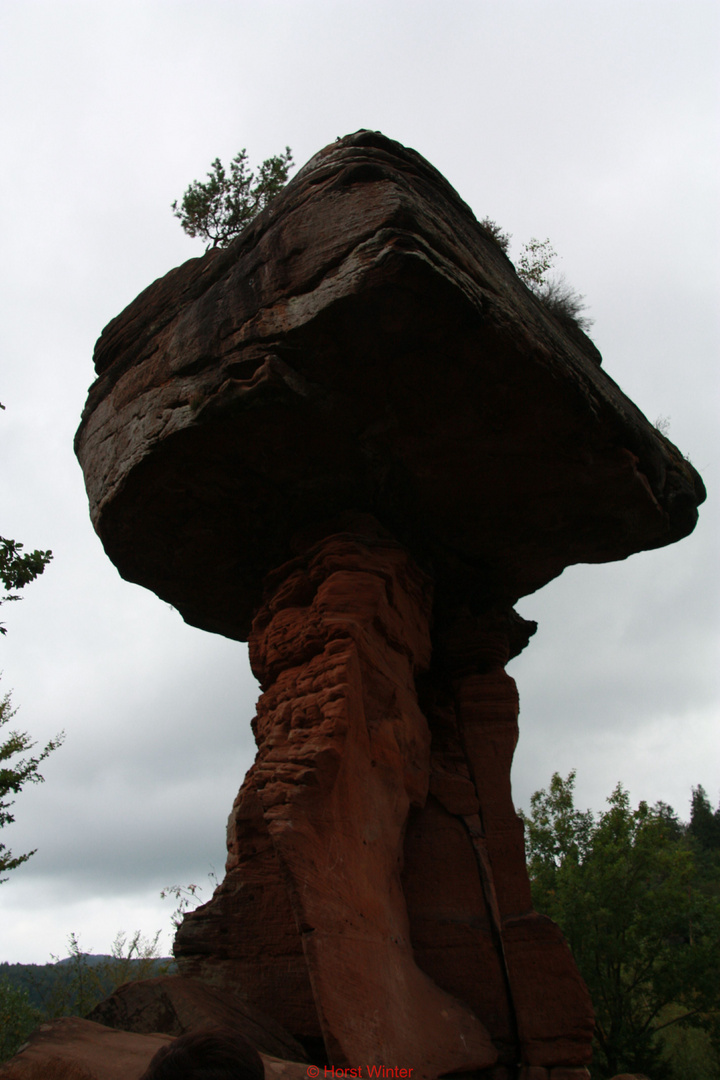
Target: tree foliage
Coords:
[(537, 258), (14, 776), (18, 568), (704, 822), (535, 262), (18, 1017), (642, 923), (84, 980), (218, 209)]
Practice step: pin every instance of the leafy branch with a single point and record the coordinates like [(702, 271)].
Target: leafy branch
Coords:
[(218, 209)]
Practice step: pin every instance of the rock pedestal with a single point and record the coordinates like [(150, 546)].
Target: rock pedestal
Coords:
[(355, 438), (343, 754), (376, 874)]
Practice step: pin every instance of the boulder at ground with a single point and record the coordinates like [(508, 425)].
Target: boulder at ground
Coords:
[(75, 1049), (175, 1006)]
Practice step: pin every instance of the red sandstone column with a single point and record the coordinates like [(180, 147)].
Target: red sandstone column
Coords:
[(343, 753), (358, 905), (537, 1000)]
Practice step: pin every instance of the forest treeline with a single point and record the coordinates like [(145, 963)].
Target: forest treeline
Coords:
[(31, 994), (636, 893), (46, 983)]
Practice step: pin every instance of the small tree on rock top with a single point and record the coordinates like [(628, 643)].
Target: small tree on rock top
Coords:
[(219, 209)]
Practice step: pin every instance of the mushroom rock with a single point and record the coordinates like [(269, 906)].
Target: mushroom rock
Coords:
[(355, 438)]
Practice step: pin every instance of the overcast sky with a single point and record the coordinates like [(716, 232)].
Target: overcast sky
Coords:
[(590, 122)]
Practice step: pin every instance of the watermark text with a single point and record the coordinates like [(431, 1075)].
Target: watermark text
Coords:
[(359, 1072)]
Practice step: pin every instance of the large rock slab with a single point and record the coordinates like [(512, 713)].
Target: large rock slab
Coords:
[(363, 345)]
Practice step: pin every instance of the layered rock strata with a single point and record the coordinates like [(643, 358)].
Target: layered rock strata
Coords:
[(355, 438)]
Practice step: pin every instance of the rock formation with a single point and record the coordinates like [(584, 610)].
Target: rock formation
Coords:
[(356, 439), (74, 1049), (176, 1006)]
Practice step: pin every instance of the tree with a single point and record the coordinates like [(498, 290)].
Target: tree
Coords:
[(219, 209), (14, 777), (18, 1017), (31, 993), (84, 979), (704, 824), (18, 570), (625, 889), (536, 260)]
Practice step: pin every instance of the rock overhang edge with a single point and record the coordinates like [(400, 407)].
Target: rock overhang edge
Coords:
[(365, 346)]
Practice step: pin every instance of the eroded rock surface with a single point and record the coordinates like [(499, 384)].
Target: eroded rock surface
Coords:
[(343, 753), (355, 438)]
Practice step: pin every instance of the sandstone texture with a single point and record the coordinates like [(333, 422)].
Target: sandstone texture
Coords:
[(354, 438)]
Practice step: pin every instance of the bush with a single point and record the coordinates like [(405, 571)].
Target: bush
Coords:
[(564, 303), (84, 980), (18, 1018), (536, 259), (502, 239)]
